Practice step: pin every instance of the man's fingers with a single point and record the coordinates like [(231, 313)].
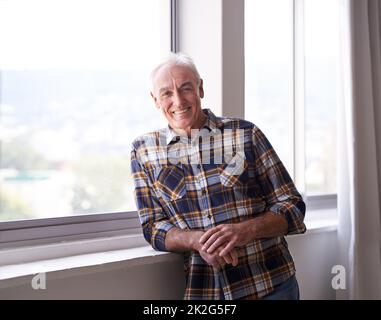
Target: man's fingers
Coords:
[(210, 241), (227, 248), (228, 259), (221, 261), (207, 234), (234, 256), (220, 240), (231, 257)]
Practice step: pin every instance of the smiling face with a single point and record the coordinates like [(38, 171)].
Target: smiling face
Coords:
[(178, 93)]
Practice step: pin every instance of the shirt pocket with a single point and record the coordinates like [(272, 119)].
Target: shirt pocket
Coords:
[(234, 173), (170, 182)]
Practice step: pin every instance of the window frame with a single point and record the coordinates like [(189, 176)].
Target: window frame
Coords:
[(314, 202), (17, 233), (322, 202), (38, 231)]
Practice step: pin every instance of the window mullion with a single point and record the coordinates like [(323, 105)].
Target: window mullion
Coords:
[(174, 27), (299, 95)]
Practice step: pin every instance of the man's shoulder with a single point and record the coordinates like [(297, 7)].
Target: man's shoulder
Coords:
[(149, 139)]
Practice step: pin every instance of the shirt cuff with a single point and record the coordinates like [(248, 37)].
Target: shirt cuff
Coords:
[(293, 215), (159, 234)]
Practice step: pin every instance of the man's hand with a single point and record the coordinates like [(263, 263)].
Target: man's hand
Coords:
[(225, 237), (218, 261), (178, 240)]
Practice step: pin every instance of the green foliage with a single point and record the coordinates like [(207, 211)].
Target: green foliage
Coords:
[(19, 155)]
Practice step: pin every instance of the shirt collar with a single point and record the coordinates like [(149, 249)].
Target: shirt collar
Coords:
[(212, 123)]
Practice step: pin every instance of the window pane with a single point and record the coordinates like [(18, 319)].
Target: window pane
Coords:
[(321, 85), (269, 73), (74, 93)]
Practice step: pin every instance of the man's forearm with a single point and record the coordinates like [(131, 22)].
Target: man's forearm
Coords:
[(179, 240), (267, 225)]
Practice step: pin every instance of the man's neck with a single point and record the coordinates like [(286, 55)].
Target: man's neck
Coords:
[(198, 125)]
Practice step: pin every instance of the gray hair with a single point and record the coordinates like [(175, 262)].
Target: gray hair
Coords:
[(176, 59)]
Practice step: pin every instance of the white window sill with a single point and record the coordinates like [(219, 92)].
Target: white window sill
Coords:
[(130, 250), (321, 220), (323, 225)]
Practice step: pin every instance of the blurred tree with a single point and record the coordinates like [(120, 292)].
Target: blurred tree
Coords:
[(18, 154)]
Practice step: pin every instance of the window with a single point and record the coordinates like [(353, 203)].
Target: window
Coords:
[(291, 85), (321, 94), (269, 72), (74, 94)]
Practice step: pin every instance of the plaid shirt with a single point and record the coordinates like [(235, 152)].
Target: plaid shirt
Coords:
[(182, 182)]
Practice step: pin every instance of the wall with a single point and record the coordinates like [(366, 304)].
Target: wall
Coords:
[(119, 280), (315, 253)]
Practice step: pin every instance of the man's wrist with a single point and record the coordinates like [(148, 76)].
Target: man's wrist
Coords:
[(179, 240), (194, 242)]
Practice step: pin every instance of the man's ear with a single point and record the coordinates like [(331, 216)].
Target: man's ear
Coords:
[(201, 89), (155, 100)]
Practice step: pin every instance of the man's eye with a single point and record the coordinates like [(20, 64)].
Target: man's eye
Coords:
[(166, 94)]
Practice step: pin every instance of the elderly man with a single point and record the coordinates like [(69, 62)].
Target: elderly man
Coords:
[(214, 189)]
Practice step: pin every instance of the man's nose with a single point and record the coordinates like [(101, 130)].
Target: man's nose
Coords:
[(177, 99)]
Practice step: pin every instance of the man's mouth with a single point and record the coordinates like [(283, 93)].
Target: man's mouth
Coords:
[(182, 111)]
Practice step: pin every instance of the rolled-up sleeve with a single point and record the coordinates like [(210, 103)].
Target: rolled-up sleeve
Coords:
[(154, 222), (278, 189)]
